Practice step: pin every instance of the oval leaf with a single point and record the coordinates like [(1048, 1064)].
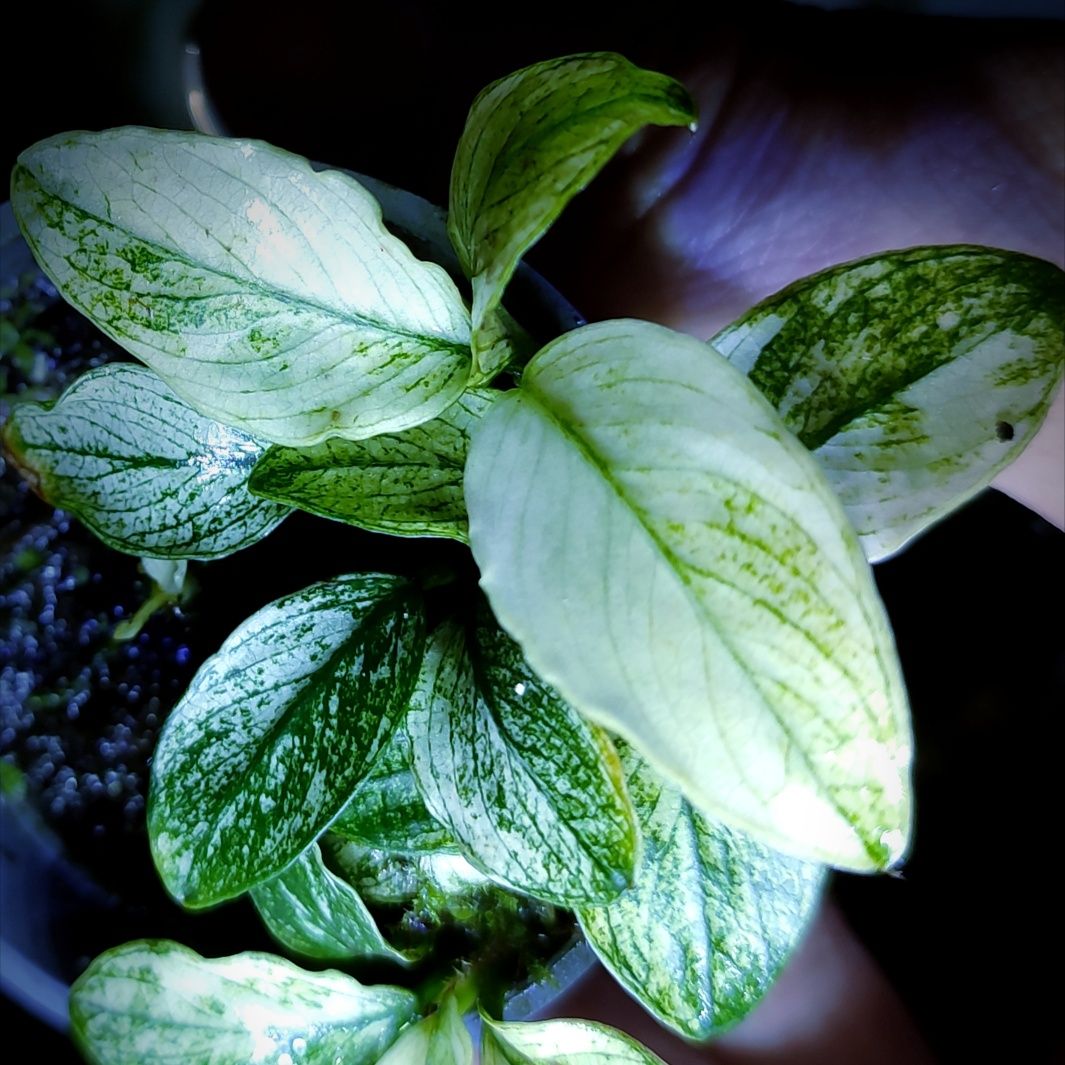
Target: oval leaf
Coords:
[(312, 912), (710, 919), (560, 1043), (387, 811), (141, 468), (407, 484), (156, 1001), (276, 730), (913, 376), (532, 792), (267, 295), (671, 559), (532, 141)]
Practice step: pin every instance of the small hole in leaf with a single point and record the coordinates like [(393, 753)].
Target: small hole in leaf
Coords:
[(1004, 430)]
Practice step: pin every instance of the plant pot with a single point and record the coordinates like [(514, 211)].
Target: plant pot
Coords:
[(86, 751)]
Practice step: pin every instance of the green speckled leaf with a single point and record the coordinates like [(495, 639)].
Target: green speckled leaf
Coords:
[(913, 376), (531, 791), (387, 810), (673, 562), (408, 483), (442, 1038), (268, 296), (276, 730), (141, 468), (711, 918), (532, 141), (157, 1002), (312, 912), (560, 1043)]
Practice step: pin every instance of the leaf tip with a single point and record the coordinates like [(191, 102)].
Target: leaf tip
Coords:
[(684, 105), (895, 843), (887, 845), (174, 866)]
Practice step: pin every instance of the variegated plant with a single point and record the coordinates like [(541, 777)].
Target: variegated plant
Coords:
[(678, 701)]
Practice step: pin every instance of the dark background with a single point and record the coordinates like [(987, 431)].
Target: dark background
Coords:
[(970, 933)]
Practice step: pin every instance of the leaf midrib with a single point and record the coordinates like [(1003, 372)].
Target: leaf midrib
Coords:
[(280, 723), (486, 694), (540, 401), (279, 295)]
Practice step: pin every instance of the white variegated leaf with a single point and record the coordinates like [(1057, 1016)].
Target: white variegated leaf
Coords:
[(158, 1002), (407, 484), (451, 1043), (560, 1043), (710, 919), (673, 562), (532, 141), (442, 1038), (268, 296), (276, 730), (141, 468), (312, 912), (531, 791), (387, 812), (913, 376)]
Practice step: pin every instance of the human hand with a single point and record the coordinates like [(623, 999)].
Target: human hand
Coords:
[(804, 159), (823, 138), (830, 1006)]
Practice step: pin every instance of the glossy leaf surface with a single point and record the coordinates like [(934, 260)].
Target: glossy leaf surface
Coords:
[(276, 730), (673, 562), (532, 141), (914, 377), (560, 1043), (532, 792), (312, 912), (387, 811), (407, 484), (266, 295), (711, 918), (156, 1001), (141, 468)]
